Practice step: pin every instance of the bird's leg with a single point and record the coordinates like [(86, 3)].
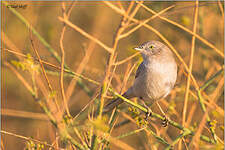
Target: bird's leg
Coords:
[(149, 111), (166, 119)]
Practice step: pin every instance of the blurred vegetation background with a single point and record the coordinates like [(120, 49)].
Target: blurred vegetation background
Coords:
[(22, 115)]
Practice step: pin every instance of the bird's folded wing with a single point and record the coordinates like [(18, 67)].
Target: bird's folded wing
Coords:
[(140, 70)]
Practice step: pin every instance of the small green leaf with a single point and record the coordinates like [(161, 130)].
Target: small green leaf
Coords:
[(52, 94), (101, 124)]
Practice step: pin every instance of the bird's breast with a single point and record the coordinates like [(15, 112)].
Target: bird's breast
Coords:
[(157, 80)]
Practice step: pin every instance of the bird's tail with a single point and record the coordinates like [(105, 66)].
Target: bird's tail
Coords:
[(112, 104)]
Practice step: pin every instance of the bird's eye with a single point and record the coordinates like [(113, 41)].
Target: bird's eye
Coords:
[(151, 46)]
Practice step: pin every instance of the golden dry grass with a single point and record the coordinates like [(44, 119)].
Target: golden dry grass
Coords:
[(48, 107)]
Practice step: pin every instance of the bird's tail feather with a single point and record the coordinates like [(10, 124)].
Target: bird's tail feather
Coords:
[(112, 104)]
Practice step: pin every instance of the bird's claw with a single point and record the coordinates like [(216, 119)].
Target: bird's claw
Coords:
[(148, 113), (165, 121)]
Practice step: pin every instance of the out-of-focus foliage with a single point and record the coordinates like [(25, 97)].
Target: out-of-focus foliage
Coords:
[(101, 21)]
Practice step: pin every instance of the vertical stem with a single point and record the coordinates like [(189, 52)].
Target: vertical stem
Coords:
[(190, 68), (62, 64), (190, 65)]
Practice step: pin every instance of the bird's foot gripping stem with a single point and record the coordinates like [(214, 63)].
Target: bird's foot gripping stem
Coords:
[(165, 121), (148, 113)]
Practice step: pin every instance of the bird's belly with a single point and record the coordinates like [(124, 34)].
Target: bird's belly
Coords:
[(154, 85)]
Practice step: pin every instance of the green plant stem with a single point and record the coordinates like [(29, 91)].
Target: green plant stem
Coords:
[(175, 124), (155, 115), (48, 113), (45, 43), (201, 100), (185, 133), (55, 54), (130, 133), (94, 142), (160, 139), (100, 104), (74, 142), (90, 93), (49, 48), (209, 81)]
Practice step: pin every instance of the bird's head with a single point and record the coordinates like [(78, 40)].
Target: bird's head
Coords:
[(150, 49)]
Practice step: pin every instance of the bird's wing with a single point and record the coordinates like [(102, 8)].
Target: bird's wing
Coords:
[(140, 69)]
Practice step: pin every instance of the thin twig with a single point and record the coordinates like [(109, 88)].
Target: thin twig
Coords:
[(57, 67), (26, 138), (159, 34), (126, 59), (85, 34), (43, 71), (187, 30), (221, 7), (209, 81), (147, 130), (155, 115), (47, 45), (29, 26), (76, 75), (62, 64), (126, 100), (41, 64), (144, 22), (23, 114), (190, 64), (29, 88), (185, 133)]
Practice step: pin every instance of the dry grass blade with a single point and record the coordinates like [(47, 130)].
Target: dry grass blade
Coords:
[(29, 88), (159, 34), (190, 64), (133, 13), (80, 69), (46, 77), (2, 144), (56, 67), (97, 83), (23, 114), (147, 130), (85, 34), (144, 22), (90, 64), (89, 51), (41, 64), (62, 63), (187, 30), (120, 5), (198, 132), (126, 59), (127, 75), (116, 142), (25, 138), (191, 114), (130, 7), (221, 7), (140, 107), (9, 43)]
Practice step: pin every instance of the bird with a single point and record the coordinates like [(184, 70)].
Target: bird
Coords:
[(155, 76)]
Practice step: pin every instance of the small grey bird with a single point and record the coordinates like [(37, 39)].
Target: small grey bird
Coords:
[(155, 76)]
